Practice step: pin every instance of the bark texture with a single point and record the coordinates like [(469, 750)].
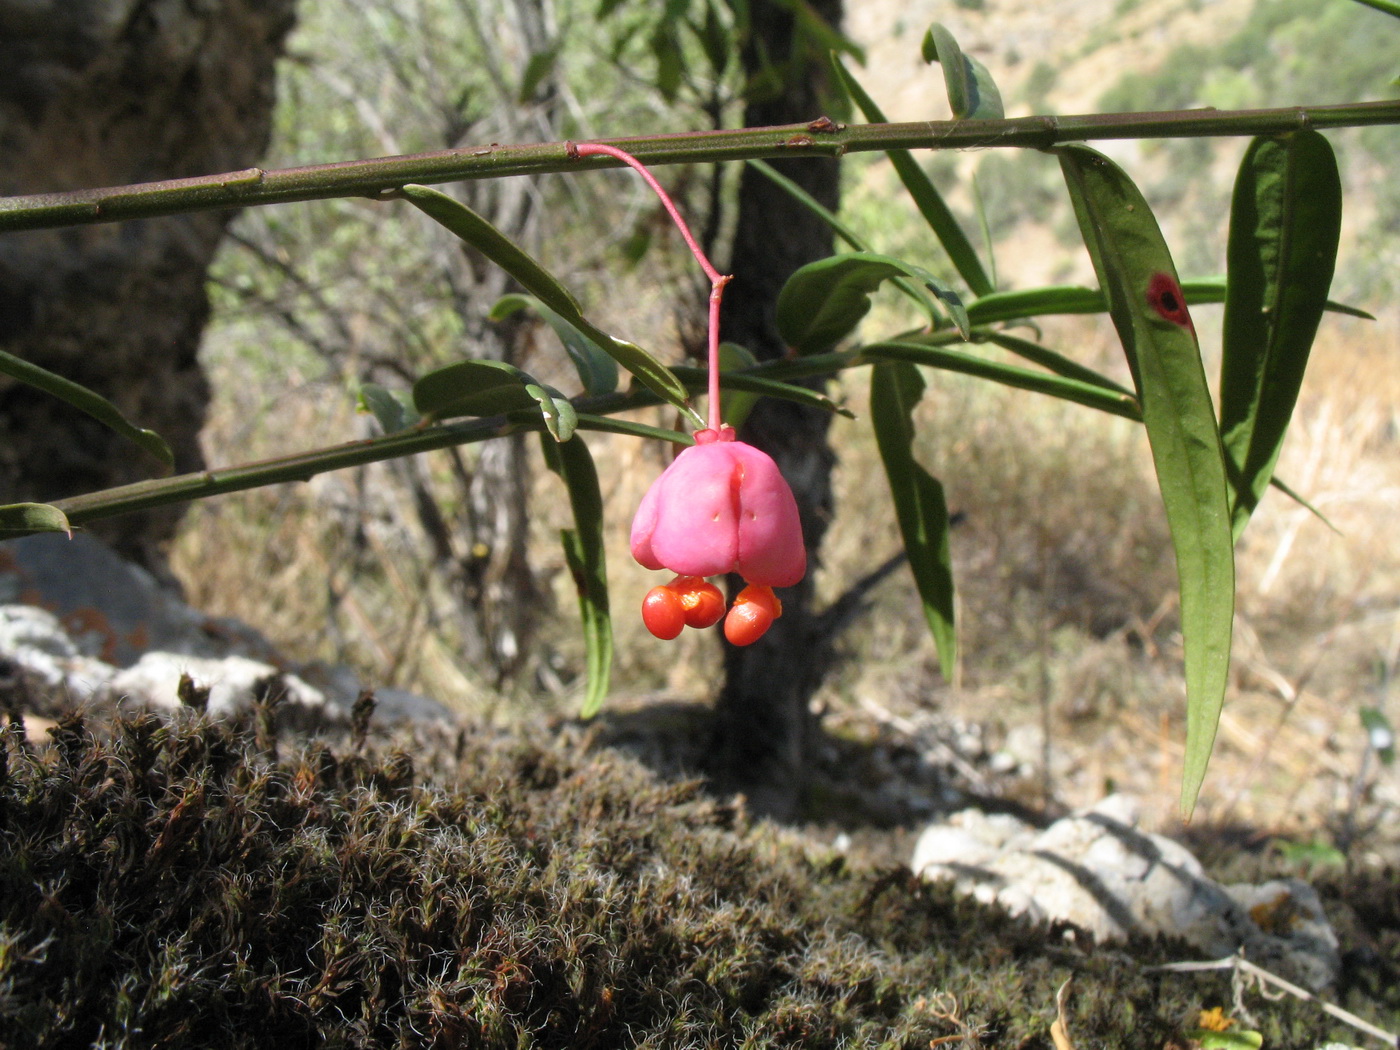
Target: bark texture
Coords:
[(762, 721), (101, 93)]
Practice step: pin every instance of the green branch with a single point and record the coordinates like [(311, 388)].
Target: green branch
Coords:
[(376, 178)]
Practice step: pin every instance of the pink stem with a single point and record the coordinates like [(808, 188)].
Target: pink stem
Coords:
[(717, 279)]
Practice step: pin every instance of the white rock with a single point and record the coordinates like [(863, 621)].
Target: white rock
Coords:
[(1095, 870), (231, 681)]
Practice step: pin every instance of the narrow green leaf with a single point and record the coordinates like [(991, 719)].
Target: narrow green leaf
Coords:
[(540, 66), (472, 388), (972, 92), (823, 301), (25, 519), (1074, 299), (1091, 395), (495, 245), (735, 405), (1055, 362), (909, 288), (1379, 733), (1148, 309), (88, 402), (768, 388), (499, 248), (597, 371), (614, 425), (922, 510), (560, 419), (1285, 223), (926, 197), (585, 555), (393, 410), (1390, 7)]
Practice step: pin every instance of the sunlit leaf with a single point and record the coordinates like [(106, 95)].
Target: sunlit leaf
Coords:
[(1149, 310), (88, 402), (920, 506), (972, 93), (926, 196), (1285, 223), (585, 555), (597, 370), (822, 302), (560, 419), (25, 519)]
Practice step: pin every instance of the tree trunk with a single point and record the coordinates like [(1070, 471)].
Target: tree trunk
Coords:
[(762, 720), (102, 93)]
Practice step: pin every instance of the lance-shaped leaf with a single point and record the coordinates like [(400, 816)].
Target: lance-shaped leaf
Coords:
[(971, 91), (767, 387), (393, 409), (89, 402), (597, 371), (25, 519), (823, 301), (909, 288), (922, 510), (1091, 395), (585, 556), (1285, 222), (490, 388), (540, 283), (926, 197), (1149, 310)]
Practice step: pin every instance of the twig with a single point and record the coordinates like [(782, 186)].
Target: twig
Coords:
[(1240, 964)]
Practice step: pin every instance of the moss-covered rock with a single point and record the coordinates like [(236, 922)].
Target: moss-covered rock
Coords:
[(194, 883)]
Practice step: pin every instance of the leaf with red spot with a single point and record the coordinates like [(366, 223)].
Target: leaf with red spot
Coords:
[(1144, 297)]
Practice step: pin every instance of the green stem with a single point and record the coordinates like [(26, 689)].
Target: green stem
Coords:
[(376, 178)]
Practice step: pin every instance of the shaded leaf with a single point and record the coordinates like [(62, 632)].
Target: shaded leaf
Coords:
[(920, 506), (614, 425), (768, 388), (586, 557), (497, 247), (25, 519), (926, 197), (89, 402), (972, 92), (393, 410), (597, 371), (537, 69), (472, 388), (1055, 362), (909, 288), (1091, 395), (1148, 309), (1285, 223), (823, 301), (735, 405)]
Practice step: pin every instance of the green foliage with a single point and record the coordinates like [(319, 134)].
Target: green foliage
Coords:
[(1149, 310), (190, 883), (1286, 219)]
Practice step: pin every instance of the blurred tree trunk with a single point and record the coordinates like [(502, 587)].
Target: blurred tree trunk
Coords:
[(762, 720), (101, 93)]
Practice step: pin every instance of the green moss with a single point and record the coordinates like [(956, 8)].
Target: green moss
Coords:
[(201, 884)]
